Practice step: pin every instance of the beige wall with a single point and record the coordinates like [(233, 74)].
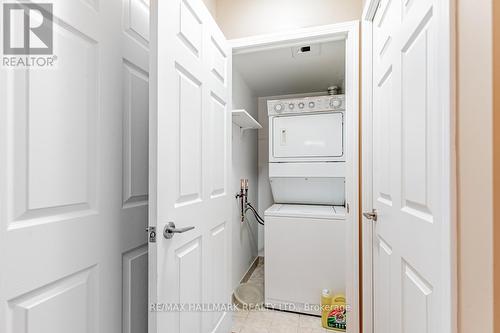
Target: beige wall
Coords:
[(496, 160), (212, 6), (475, 165), (242, 18)]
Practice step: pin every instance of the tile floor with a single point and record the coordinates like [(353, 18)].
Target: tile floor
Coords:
[(257, 276), (271, 321)]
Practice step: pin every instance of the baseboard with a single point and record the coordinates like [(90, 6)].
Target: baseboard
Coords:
[(248, 273), (250, 269)]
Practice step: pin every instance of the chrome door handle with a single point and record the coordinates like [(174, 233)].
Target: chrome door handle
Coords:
[(170, 230), (371, 215)]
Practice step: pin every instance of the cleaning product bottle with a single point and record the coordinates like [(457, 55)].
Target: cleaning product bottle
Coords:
[(334, 316), (326, 306)]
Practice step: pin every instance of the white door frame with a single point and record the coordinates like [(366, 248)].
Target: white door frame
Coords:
[(348, 31), (449, 244)]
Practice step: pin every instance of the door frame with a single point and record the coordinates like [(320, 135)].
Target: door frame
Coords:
[(449, 193), (348, 31)]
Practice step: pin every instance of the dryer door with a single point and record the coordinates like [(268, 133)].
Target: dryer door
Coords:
[(308, 137)]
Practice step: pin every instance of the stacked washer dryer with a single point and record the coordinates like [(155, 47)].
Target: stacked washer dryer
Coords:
[(305, 230)]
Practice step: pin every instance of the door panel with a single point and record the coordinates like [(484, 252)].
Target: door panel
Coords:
[(188, 285), (408, 162), (416, 296), (218, 134), (135, 163), (218, 270), (188, 152), (135, 290), (60, 186), (53, 139), (382, 278), (190, 155), (67, 304), (135, 135)]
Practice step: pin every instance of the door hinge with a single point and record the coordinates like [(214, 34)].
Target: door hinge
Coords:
[(151, 234)]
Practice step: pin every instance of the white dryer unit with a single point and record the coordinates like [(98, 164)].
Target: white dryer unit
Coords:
[(307, 130), (307, 150), (305, 253)]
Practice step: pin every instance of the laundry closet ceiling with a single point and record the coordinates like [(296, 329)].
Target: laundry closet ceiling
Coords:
[(278, 72)]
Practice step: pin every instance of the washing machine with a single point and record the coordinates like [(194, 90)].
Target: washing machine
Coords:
[(305, 253), (305, 230)]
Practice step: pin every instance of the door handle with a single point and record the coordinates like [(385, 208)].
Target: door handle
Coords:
[(371, 215), (283, 137), (170, 230)]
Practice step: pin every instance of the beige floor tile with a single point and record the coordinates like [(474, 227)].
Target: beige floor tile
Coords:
[(266, 315), (284, 329), (287, 318), (309, 321), (271, 321), (241, 314), (311, 330), (257, 322), (238, 324), (251, 329)]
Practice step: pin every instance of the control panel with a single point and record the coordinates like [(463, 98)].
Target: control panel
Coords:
[(306, 104)]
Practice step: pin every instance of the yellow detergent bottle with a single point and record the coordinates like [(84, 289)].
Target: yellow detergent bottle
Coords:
[(333, 315), (326, 306)]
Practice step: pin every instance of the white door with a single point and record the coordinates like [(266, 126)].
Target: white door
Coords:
[(62, 222), (410, 255), (313, 135), (190, 154), (135, 163)]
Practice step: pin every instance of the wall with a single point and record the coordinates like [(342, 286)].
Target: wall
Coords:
[(242, 18), (212, 6), (244, 166), (474, 139), (496, 160)]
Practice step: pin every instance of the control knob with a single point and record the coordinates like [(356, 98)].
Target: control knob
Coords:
[(335, 103), (278, 107)]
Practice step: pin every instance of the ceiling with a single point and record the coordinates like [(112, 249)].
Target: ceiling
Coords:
[(278, 72)]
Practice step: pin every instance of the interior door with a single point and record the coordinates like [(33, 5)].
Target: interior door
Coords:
[(60, 179), (190, 154), (410, 280), (135, 164)]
